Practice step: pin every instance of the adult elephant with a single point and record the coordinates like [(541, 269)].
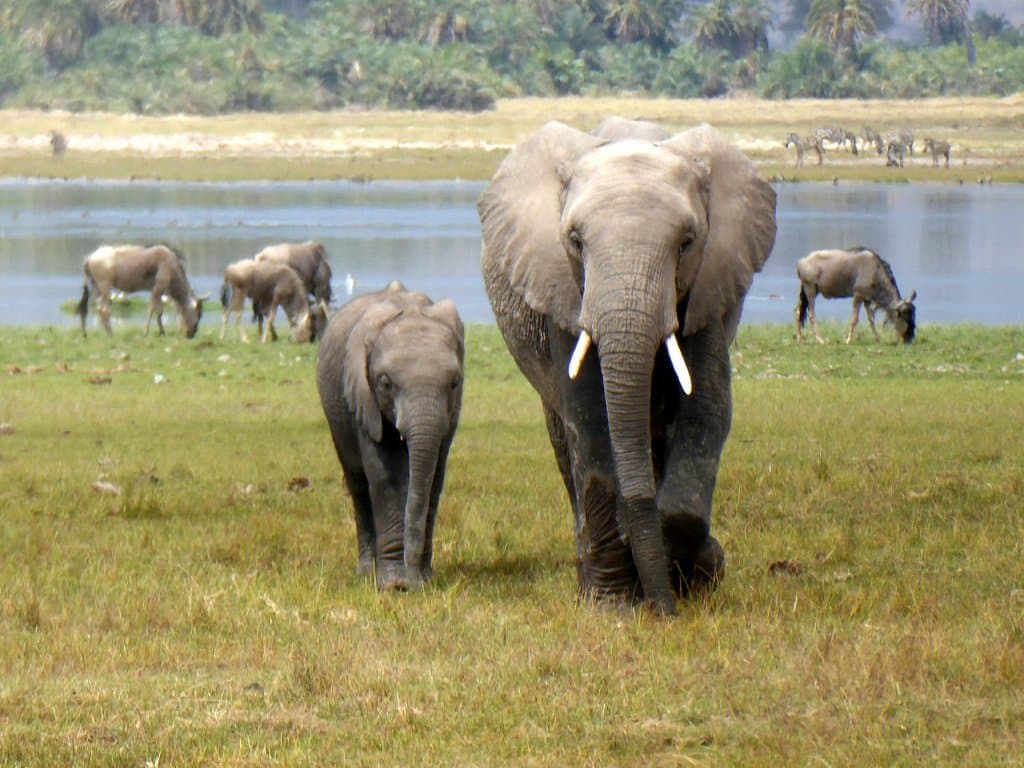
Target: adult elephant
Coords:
[(634, 246)]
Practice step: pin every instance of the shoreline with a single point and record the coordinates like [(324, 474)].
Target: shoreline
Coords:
[(434, 145)]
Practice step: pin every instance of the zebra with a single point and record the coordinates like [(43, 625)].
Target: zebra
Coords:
[(895, 148), (803, 144), (838, 136), (937, 148), (904, 136), (795, 140), (870, 136)]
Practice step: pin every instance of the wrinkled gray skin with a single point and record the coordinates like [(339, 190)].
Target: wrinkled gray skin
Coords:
[(630, 240), (389, 372)]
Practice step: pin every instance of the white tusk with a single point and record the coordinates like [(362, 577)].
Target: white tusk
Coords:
[(675, 354), (582, 345)]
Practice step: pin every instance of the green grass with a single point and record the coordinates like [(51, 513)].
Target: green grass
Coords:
[(208, 615)]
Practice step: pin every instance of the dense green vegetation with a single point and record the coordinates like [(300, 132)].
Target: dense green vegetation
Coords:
[(213, 56), (209, 613)]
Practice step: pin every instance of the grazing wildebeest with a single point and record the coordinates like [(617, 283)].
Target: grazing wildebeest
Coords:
[(308, 259), (130, 268), (269, 284), (860, 273), (938, 149)]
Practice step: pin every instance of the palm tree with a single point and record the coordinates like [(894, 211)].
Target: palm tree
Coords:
[(713, 25), (59, 28), (796, 11), (944, 21), (843, 24), (649, 20), (137, 11), (752, 19)]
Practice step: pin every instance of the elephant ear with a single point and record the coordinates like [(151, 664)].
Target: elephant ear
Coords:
[(358, 392), (741, 228), (446, 313), (520, 213)]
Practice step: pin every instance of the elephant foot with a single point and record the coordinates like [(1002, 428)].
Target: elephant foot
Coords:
[(398, 578), (701, 574), (365, 565)]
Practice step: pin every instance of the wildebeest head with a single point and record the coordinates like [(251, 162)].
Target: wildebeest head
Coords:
[(192, 313), (905, 318), (319, 319)]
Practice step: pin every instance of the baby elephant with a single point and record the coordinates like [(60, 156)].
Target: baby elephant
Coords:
[(389, 372)]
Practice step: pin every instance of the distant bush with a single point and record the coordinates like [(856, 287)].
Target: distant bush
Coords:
[(423, 54)]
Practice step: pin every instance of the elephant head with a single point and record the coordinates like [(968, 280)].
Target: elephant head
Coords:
[(626, 242), (402, 377)]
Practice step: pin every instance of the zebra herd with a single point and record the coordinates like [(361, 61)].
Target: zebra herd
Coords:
[(894, 145)]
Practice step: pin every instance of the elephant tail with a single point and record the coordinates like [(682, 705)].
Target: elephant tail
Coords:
[(225, 294), (802, 315)]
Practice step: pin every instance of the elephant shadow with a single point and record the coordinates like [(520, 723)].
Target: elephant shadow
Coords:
[(519, 571)]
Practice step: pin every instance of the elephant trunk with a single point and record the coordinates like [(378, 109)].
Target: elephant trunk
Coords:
[(627, 383), (633, 317), (423, 436)]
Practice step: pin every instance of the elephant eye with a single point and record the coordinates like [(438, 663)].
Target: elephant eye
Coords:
[(456, 383), (575, 239), (384, 382), (688, 238)]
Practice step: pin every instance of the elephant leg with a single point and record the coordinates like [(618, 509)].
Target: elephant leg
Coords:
[(435, 499), (695, 429), (580, 438), (559, 443), (345, 439), (386, 467)]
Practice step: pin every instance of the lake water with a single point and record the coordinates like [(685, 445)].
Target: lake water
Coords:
[(959, 247)]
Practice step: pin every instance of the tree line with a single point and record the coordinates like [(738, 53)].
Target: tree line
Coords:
[(210, 56)]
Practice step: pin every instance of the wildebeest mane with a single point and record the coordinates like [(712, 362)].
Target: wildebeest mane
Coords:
[(885, 264)]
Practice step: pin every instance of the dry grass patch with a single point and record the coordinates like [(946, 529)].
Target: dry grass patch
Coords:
[(378, 144)]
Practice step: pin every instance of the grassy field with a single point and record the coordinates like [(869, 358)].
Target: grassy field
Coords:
[(869, 502), (372, 144)]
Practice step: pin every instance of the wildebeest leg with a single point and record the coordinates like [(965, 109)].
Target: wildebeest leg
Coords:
[(857, 301), (237, 305), (811, 296), (869, 310), (800, 312), (104, 311), (156, 307), (269, 328)]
